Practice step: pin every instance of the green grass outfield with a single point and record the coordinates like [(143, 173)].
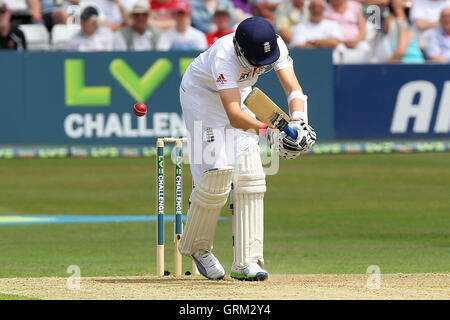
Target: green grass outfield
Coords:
[(15, 297), (323, 214)]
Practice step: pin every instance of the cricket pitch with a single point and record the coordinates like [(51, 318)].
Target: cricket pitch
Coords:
[(278, 287)]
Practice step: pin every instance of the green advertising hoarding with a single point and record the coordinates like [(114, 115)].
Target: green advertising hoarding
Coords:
[(87, 98)]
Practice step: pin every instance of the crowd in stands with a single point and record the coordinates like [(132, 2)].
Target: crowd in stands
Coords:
[(358, 31)]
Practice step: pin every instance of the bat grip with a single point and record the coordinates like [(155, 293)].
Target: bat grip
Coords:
[(290, 132)]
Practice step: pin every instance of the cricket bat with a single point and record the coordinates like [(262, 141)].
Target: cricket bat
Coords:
[(268, 112)]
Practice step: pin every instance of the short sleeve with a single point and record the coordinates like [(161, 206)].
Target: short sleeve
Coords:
[(225, 73), (284, 61)]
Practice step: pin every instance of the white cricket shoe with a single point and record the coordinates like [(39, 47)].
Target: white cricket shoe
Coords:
[(208, 265), (253, 272)]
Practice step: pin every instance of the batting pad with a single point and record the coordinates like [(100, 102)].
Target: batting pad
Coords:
[(208, 198), (249, 185)]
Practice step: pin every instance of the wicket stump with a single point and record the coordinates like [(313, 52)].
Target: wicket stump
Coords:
[(178, 208)]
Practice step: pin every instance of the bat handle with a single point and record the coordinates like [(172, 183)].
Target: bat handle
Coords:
[(290, 132)]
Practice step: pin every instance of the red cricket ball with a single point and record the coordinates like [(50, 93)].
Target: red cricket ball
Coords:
[(140, 109)]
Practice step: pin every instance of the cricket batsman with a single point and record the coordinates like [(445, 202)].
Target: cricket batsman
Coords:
[(223, 137)]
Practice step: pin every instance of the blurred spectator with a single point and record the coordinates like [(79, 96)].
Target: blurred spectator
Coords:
[(54, 12), (316, 32), (202, 12), (92, 36), (348, 14), (438, 47), (425, 16), (266, 8), (374, 2), (35, 10), (287, 15), (24, 11), (183, 36), (139, 36), (397, 42), (222, 20), (161, 16), (10, 36), (242, 10), (114, 13)]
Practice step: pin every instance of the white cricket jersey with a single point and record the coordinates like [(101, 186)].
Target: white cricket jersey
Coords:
[(206, 121), (218, 67)]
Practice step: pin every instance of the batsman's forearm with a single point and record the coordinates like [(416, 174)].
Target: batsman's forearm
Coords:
[(231, 100), (296, 105), (289, 82), (243, 121)]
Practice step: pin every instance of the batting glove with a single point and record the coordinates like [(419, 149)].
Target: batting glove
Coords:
[(306, 137), (272, 138)]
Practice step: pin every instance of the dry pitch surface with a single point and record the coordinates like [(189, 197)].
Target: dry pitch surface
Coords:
[(278, 287)]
